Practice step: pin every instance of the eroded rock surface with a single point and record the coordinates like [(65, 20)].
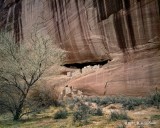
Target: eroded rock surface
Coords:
[(127, 32)]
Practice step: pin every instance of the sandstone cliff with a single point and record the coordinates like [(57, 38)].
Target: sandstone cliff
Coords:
[(127, 32)]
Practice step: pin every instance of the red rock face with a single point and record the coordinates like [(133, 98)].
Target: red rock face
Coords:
[(95, 30), (89, 30), (136, 77)]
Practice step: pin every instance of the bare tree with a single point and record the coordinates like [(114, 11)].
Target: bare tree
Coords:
[(21, 66)]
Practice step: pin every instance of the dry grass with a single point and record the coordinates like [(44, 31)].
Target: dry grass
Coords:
[(45, 119)]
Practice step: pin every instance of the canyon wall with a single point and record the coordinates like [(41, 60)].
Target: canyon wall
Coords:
[(126, 32)]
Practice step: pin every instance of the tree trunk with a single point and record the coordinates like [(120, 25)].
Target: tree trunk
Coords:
[(18, 112), (17, 115)]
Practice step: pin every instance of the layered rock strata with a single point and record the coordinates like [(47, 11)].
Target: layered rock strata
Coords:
[(127, 32)]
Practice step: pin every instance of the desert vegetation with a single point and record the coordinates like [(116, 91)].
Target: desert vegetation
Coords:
[(25, 103), (94, 112), (22, 65), (129, 103)]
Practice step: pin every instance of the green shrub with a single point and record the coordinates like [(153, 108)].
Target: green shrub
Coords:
[(119, 116), (121, 126), (154, 99), (61, 114), (96, 100), (71, 103), (41, 97), (82, 114), (96, 112), (128, 103), (155, 117)]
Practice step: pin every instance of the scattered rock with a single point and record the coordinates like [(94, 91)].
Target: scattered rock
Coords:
[(112, 108), (91, 105)]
